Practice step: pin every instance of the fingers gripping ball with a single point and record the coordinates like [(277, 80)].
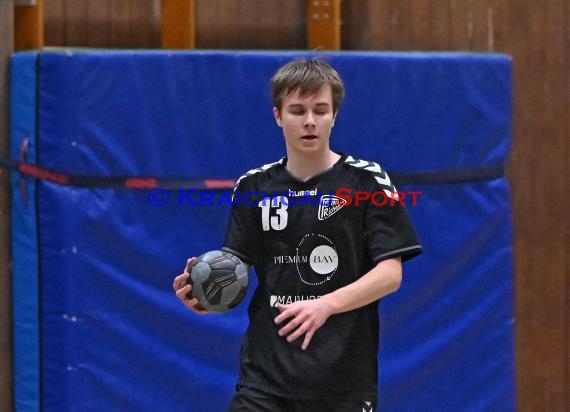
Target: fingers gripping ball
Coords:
[(219, 281)]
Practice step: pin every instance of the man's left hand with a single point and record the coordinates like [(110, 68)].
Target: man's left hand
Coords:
[(307, 316)]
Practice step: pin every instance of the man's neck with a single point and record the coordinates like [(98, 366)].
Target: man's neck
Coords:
[(303, 167)]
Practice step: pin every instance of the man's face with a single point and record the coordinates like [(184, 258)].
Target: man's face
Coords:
[(307, 121)]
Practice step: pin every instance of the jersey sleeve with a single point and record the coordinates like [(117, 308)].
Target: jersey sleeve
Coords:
[(240, 238), (389, 231)]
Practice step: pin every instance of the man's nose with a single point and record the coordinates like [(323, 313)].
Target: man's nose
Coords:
[(309, 119)]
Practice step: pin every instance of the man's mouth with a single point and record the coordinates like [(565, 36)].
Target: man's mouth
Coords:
[(309, 137)]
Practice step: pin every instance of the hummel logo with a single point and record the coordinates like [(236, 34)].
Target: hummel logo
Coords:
[(367, 407), (329, 205)]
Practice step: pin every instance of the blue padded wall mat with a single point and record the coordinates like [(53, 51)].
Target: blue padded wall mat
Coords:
[(106, 331), (25, 256)]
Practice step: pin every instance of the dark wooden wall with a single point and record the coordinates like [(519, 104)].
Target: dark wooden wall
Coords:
[(537, 36), (220, 24), (102, 23), (6, 48)]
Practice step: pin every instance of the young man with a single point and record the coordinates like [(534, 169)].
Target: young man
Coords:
[(323, 256)]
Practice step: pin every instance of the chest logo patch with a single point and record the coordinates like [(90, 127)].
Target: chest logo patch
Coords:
[(318, 259), (329, 205)]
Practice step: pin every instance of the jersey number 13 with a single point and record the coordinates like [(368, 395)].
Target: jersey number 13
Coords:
[(273, 213)]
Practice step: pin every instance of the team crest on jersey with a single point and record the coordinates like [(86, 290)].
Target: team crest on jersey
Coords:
[(329, 205)]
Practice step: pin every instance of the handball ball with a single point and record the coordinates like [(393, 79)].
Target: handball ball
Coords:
[(219, 281)]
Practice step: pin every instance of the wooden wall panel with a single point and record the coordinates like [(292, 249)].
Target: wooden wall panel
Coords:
[(54, 16), (178, 24), (220, 24), (29, 26), (231, 24), (207, 33), (76, 23), (355, 29), (501, 25), (429, 23), (250, 24), (145, 24), (98, 24), (391, 25), (271, 21), (102, 23), (119, 16), (294, 33), (538, 179), (480, 25), (566, 202), (6, 48), (422, 25), (472, 25)]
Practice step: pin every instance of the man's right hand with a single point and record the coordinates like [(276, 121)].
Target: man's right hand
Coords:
[(182, 289)]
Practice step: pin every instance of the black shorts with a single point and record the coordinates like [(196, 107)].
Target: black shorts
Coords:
[(248, 399)]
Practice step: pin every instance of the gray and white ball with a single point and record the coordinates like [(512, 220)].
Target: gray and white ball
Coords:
[(219, 281)]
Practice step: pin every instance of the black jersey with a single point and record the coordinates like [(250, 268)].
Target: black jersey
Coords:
[(307, 239)]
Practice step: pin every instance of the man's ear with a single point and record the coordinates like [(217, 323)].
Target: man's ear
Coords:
[(277, 116)]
